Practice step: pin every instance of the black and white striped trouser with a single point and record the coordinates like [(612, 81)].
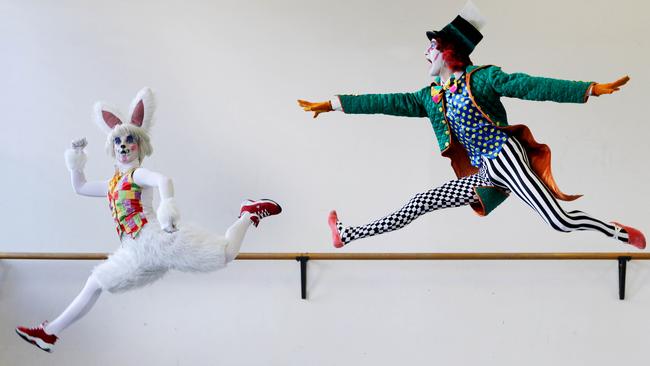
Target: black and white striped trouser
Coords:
[(511, 171)]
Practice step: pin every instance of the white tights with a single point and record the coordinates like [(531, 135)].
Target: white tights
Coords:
[(92, 289), (77, 308), (235, 235)]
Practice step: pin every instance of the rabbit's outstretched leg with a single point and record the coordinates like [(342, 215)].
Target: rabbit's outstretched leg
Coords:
[(77, 308), (251, 212), (235, 235)]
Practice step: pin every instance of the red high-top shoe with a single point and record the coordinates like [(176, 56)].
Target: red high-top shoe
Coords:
[(260, 209), (634, 237), (38, 337)]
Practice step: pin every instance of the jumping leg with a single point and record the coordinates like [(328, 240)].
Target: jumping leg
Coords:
[(454, 193), (251, 212), (77, 308), (511, 169), (235, 235)]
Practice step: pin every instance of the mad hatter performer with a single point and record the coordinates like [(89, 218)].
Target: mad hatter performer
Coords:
[(153, 242), (490, 158)]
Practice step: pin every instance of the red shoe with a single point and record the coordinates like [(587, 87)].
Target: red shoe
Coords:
[(634, 236), (260, 209), (333, 221), (38, 337)]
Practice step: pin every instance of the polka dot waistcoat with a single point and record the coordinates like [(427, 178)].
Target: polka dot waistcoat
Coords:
[(478, 136)]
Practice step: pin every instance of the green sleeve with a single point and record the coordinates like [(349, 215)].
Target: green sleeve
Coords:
[(396, 104), (523, 86)]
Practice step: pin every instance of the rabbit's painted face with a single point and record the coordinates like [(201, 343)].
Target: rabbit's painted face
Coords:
[(126, 148)]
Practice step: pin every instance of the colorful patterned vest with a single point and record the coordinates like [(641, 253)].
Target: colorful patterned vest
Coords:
[(124, 200)]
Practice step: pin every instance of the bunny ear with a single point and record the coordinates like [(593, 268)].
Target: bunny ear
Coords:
[(142, 108), (106, 117)]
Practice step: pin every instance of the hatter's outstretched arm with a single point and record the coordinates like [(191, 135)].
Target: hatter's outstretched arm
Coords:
[(396, 104), (524, 86)]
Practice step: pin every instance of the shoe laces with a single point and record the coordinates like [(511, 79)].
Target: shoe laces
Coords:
[(40, 326), (617, 231), (263, 213)]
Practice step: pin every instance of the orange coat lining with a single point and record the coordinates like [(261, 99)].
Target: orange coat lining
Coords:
[(539, 154)]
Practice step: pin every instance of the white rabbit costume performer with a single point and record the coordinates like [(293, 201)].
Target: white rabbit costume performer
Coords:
[(152, 244)]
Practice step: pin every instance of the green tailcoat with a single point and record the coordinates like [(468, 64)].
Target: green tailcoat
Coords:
[(486, 85)]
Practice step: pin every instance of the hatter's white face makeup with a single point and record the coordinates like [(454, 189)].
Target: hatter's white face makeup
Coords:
[(435, 58)]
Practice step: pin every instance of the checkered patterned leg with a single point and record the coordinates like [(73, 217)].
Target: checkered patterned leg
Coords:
[(455, 193)]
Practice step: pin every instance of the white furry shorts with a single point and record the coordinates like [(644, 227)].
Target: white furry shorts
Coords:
[(153, 252)]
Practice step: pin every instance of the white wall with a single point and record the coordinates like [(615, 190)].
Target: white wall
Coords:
[(227, 77)]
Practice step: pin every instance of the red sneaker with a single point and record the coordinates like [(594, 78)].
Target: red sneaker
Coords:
[(38, 337), (634, 236), (260, 209), (333, 221)]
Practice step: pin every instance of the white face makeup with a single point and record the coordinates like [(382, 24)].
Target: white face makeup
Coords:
[(435, 58), (126, 148)]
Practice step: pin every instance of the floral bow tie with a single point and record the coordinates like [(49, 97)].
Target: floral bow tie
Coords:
[(437, 91)]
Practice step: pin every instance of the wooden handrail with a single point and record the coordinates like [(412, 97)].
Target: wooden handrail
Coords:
[(303, 258), (364, 256)]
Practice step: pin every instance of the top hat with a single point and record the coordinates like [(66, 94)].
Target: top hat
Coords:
[(464, 30)]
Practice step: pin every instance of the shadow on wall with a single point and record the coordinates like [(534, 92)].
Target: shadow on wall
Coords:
[(638, 278)]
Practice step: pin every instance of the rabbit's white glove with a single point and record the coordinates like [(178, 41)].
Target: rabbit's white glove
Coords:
[(168, 214), (75, 157)]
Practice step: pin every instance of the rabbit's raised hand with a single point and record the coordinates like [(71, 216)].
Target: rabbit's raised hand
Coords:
[(75, 157), (79, 144)]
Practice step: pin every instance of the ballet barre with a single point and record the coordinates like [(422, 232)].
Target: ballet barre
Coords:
[(303, 258)]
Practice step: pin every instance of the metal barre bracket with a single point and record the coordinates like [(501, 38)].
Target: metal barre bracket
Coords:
[(303, 259), (622, 270)]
